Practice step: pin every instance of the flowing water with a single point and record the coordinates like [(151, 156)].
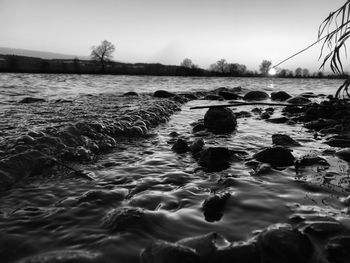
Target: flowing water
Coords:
[(53, 214)]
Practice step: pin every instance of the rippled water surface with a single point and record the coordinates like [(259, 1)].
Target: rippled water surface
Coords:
[(50, 214)]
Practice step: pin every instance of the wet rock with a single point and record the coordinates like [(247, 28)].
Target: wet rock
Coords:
[(338, 142), (284, 245), (189, 96), (197, 145), (338, 249), (276, 156), (213, 207), (174, 134), (308, 95), (292, 110), (298, 100), (31, 100), (308, 160), (257, 111), (278, 120), (220, 120), (131, 94), (320, 124), (163, 94), (256, 95), (284, 140), (215, 158), (102, 197), (265, 115), (198, 127), (162, 251), (180, 146), (213, 97), (326, 228), (227, 95), (280, 96), (63, 256), (344, 154), (261, 169), (239, 252)]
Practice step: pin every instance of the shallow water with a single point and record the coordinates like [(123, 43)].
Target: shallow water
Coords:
[(48, 213)]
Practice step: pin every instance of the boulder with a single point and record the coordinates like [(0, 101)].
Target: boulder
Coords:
[(276, 156), (344, 154), (215, 158), (130, 94), (162, 251), (31, 100), (284, 140), (320, 124), (298, 100), (227, 95), (256, 95), (220, 120), (213, 207), (284, 245), (338, 142), (280, 95), (163, 94), (180, 146), (197, 145)]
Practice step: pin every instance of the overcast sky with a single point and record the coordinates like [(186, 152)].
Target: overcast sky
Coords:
[(240, 31)]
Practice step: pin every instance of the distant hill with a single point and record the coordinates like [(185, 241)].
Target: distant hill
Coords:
[(37, 54)]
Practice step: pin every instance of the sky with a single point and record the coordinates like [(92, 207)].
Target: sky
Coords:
[(164, 31)]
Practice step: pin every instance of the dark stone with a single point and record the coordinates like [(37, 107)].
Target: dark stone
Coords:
[(344, 154), (293, 109), (189, 96), (278, 120), (120, 220), (198, 127), (162, 251), (163, 94), (197, 145), (284, 140), (220, 120), (320, 124), (31, 100), (215, 158), (257, 110), (298, 100), (308, 160), (338, 249), (284, 245), (241, 252), (338, 142), (256, 95), (280, 95), (174, 134), (213, 97), (276, 156), (326, 228), (265, 115), (308, 95), (228, 95), (180, 146), (130, 94), (213, 207)]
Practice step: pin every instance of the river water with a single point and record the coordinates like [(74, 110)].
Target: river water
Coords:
[(51, 214)]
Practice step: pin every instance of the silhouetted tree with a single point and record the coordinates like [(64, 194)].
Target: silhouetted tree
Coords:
[(187, 63), (298, 72), (306, 73), (265, 66), (236, 69), (220, 66), (103, 53)]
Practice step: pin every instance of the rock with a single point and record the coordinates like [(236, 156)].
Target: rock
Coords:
[(163, 94), (276, 156), (213, 97), (344, 154), (162, 251), (292, 110), (256, 95), (320, 124), (280, 95), (189, 96), (265, 115), (213, 207), (197, 145), (326, 228), (298, 100), (338, 249), (220, 120), (180, 146), (198, 127), (227, 95), (240, 252), (31, 100), (102, 197), (284, 140), (243, 114), (284, 245), (278, 120), (174, 134), (215, 158), (64, 256), (338, 142), (307, 160), (308, 95), (262, 168), (130, 94), (257, 111)]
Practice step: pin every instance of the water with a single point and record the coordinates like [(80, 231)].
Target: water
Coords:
[(49, 214)]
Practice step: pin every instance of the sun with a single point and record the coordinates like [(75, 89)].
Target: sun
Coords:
[(272, 71)]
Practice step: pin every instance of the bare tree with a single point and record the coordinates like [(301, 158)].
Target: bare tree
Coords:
[(102, 53), (265, 66)]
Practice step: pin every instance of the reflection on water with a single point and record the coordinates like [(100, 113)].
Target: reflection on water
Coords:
[(143, 191)]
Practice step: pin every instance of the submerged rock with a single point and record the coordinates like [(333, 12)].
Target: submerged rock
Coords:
[(284, 140), (227, 95), (284, 245), (162, 251), (163, 94), (31, 100), (180, 146), (278, 120), (197, 145), (276, 156), (215, 158), (298, 100), (130, 94), (213, 207), (280, 96), (338, 142), (220, 120), (256, 95)]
